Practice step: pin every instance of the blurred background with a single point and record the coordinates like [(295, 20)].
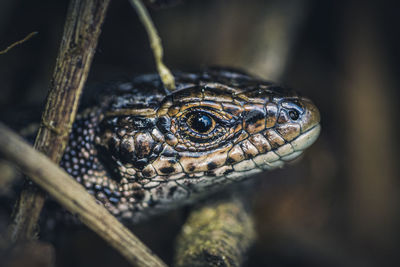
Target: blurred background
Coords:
[(339, 205)]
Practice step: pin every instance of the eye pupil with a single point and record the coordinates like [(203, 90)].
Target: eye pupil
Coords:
[(201, 122), (294, 115)]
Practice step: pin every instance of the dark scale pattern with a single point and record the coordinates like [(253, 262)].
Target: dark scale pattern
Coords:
[(141, 151)]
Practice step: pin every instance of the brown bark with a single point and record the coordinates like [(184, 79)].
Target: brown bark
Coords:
[(78, 45)]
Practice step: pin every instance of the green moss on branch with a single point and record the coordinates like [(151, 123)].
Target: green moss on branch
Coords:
[(218, 234)]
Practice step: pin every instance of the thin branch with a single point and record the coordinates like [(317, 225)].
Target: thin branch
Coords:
[(74, 198), (78, 45), (155, 42), (29, 36)]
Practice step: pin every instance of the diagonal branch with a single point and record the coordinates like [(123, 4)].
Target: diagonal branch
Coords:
[(74, 198), (11, 46)]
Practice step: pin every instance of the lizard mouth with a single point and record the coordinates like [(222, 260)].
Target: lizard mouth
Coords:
[(286, 153), (302, 142), (306, 139)]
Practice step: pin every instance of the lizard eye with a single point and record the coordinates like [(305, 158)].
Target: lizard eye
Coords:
[(202, 128), (200, 122), (294, 114)]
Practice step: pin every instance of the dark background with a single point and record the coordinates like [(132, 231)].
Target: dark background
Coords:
[(338, 206)]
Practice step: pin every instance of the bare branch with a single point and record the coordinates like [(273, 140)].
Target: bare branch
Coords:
[(78, 45), (74, 198)]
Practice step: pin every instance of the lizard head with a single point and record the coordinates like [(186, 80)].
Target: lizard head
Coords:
[(219, 130), (212, 130), (163, 150)]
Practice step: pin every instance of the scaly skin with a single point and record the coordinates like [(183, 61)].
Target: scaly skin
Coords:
[(141, 151)]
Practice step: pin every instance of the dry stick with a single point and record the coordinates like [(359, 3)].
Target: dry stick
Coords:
[(81, 32), (80, 37), (29, 36), (155, 42), (74, 198)]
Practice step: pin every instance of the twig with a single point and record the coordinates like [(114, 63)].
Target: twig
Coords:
[(155, 42), (218, 234), (29, 36), (81, 32), (74, 198)]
